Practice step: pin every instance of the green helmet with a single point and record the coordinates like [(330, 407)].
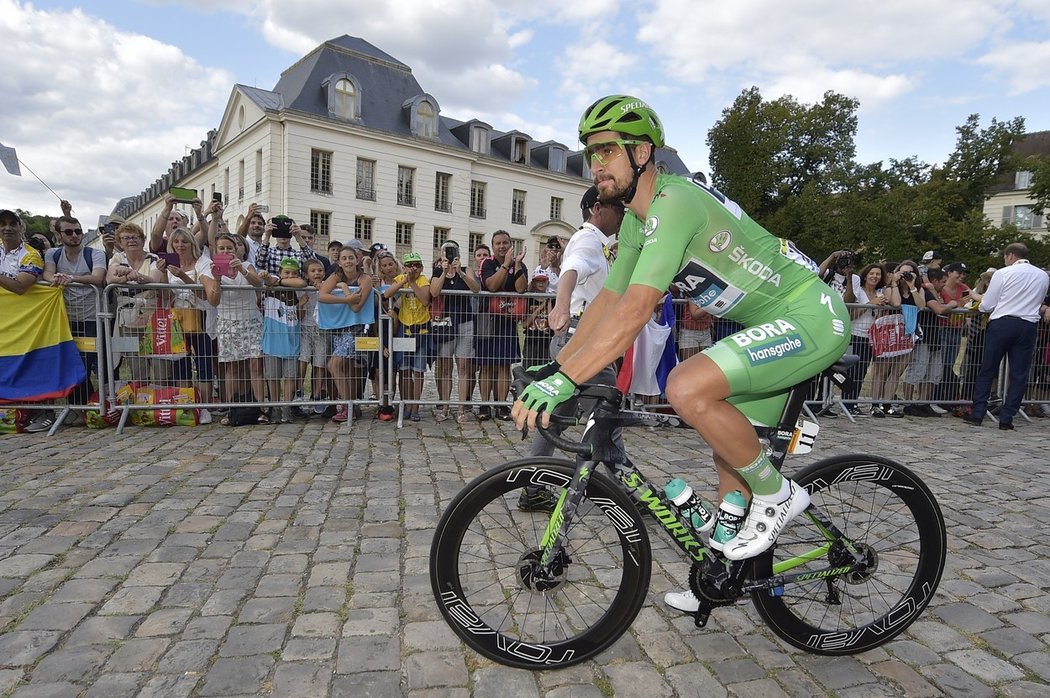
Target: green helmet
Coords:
[(623, 114)]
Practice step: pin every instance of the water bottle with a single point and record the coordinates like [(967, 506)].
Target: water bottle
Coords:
[(690, 505), (731, 514)]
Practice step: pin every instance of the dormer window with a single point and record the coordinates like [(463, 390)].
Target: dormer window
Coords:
[(520, 151), (479, 140), (422, 113), (344, 97), (426, 120), (557, 160)]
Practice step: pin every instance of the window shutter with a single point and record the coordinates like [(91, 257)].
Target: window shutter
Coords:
[(1037, 222), (1008, 214)]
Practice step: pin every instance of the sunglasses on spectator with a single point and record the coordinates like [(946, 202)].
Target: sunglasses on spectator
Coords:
[(74, 231), (414, 264)]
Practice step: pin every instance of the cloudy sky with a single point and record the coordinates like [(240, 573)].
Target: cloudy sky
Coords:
[(100, 97)]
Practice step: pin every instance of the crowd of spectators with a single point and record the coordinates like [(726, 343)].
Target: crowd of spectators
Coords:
[(268, 321)]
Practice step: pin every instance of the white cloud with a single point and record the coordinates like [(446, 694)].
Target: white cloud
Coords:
[(98, 113), (589, 70), (873, 91), (1024, 66)]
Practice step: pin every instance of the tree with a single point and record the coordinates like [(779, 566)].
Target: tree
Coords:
[(1039, 166), (764, 154)]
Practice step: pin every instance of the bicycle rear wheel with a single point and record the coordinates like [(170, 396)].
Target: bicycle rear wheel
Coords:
[(485, 551), (894, 519)]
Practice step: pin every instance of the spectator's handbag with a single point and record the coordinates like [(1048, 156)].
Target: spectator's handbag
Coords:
[(511, 307), (163, 338), (171, 413), (134, 312), (889, 337)]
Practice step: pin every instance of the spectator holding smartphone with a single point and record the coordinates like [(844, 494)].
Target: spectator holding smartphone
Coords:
[(458, 343), (170, 218), (252, 228), (282, 229), (414, 320)]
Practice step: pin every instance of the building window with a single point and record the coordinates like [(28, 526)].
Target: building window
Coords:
[(479, 140), (426, 124), (406, 189), (517, 207), (521, 151), (556, 208), (345, 106), (320, 171), (516, 245), (475, 240), (321, 222), (366, 179), (477, 199), (1023, 217), (240, 181), (557, 160), (1022, 180), (226, 185), (440, 237), (403, 234), (258, 171), (442, 192), (363, 228)]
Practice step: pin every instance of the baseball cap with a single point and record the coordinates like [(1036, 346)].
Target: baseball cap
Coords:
[(355, 244), (540, 274), (290, 263), (376, 247), (930, 255), (956, 266), (411, 257), (590, 198), (8, 214)]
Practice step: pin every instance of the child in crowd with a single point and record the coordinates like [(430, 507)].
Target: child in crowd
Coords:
[(346, 309), (239, 325), (388, 326), (414, 316), (313, 350), (536, 347), (281, 335)]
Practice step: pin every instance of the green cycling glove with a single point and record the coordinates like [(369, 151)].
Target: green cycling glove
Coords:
[(544, 395), (541, 371)]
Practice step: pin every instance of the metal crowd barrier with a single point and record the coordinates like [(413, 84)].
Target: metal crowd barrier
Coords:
[(504, 331)]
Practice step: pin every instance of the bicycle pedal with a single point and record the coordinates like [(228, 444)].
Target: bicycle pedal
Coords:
[(700, 618)]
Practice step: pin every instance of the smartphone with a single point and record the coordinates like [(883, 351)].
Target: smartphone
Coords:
[(216, 196), (222, 264), (451, 254), (183, 195), (171, 258), (262, 208), (284, 226)]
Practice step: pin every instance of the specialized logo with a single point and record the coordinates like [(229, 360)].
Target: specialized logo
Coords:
[(651, 224), (720, 242), (631, 106), (754, 267)]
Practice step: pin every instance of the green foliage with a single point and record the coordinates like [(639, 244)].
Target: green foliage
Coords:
[(792, 168), (1040, 188), (34, 223)]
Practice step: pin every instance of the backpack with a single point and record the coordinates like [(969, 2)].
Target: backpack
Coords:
[(89, 258)]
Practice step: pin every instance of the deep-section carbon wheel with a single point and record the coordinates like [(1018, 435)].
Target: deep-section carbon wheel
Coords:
[(492, 591), (895, 525)]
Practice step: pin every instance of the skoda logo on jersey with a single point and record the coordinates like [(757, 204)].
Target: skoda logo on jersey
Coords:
[(651, 224), (754, 267), (720, 242)]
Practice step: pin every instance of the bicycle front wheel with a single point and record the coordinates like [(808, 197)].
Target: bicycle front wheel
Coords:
[(891, 517), (484, 556)]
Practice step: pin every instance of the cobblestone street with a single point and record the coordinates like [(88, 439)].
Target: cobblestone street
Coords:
[(291, 560)]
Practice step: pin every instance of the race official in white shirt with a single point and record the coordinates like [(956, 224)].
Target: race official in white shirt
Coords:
[(1013, 299)]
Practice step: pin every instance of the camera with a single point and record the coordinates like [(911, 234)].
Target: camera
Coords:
[(847, 258), (451, 254), (284, 226), (907, 276), (110, 228)]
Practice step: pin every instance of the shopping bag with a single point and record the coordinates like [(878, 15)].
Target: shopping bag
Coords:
[(170, 414), (190, 319), (889, 337), (13, 421), (110, 415), (163, 337)]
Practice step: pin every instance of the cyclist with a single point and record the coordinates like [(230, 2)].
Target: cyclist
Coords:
[(681, 231)]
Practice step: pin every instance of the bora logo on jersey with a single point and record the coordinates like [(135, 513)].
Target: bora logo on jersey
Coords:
[(769, 342)]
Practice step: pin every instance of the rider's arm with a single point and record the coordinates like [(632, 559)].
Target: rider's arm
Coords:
[(616, 323)]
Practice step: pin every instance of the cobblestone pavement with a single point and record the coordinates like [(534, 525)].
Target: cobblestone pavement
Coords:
[(291, 560)]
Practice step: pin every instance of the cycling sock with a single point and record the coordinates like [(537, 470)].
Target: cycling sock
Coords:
[(763, 479)]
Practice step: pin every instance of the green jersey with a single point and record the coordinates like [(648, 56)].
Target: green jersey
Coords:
[(709, 248)]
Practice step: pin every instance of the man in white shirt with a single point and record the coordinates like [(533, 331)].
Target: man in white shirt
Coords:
[(1014, 300), (584, 266)]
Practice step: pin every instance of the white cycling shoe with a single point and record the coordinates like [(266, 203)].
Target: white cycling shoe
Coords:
[(684, 601), (765, 520)]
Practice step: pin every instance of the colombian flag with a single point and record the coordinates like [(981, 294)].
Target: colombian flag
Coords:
[(38, 359)]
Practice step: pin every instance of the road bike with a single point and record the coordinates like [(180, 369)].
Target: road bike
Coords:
[(540, 591)]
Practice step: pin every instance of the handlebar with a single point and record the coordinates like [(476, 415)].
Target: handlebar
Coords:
[(607, 396)]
